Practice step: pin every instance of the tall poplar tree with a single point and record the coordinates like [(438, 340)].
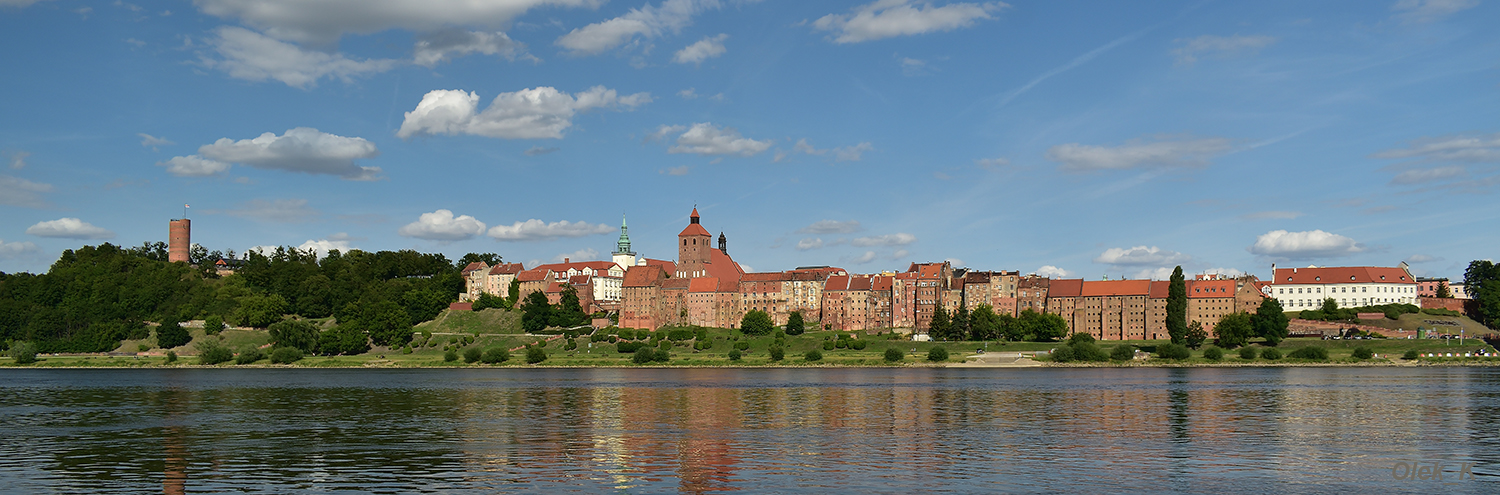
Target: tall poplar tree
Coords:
[(1177, 307)]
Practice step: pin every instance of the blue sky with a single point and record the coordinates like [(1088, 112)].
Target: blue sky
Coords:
[(1064, 138)]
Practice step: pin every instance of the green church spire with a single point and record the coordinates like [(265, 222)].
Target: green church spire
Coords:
[(623, 246)]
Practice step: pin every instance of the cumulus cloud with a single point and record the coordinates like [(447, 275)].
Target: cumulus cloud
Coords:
[(537, 230), (1228, 272), (15, 191), (441, 46), (154, 142), (321, 247), (1161, 152), (706, 48), (441, 225), (18, 159), (69, 228), (1050, 271), (538, 150), (809, 243), (1304, 245), (1271, 215), (1219, 46), (1141, 255), (324, 21), (861, 259), (537, 113), (1158, 273), (193, 166), (272, 211), (707, 139), (9, 250), (579, 255), (897, 239), (1423, 11), (831, 227), (888, 18), (302, 149), (248, 55), (646, 22)]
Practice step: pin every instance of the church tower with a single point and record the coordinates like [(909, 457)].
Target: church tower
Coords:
[(693, 246), (623, 256)]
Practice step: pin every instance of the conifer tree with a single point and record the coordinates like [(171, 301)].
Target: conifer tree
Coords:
[(1177, 307)]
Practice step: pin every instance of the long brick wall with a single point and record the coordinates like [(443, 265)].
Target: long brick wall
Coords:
[(1298, 326)]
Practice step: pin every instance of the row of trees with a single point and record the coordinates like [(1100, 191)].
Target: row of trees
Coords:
[(1482, 283), (985, 324), (538, 313)]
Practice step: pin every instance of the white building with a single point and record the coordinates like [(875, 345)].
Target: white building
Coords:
[(1351, 286)]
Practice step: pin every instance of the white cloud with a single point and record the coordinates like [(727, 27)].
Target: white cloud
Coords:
[(274, 211), (255, 57), (9, 250), (1423, 175), (302, 149), (809, 243), (677, 171), (1141, 255), (441, 46), (707, 139), (536, 230), (862, 259), (912, 67), (646, 22), (441, 225), (1272, 215), (1422, 11), (888, 18), (1228, 272), (193, 166), (831, 227), (900, 253), (538, 150), (955, 262), (1303, 245), (897, 239), (1219, 46), (18, 159), (803, 147), (15, 191), (992, 162), (1158, 273), (321, 247), (324, 21), (1453, 148), (584, 254), (1050, 271), (1420, 258), (69, 228), (154, 142), (851, 153), (542, 112), (1163, 152), (688, 94), (19, 4), (706, 48)]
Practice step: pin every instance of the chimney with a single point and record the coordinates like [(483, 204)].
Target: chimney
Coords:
[(565, 260)]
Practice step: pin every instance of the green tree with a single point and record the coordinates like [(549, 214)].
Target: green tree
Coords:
[(487, 301), (490, 259), (937, 354), (286, 355), (940, 325), (1048, 327), (569, 312), (984, 324), (497, 355), (1173, 351), (536, 314), (473, 354), (1443, 291), (961, 324), (211, 352), (213, 324), (295, 334), (346, 339), (1177, 307), (535, 354), (1270, 321), (813, 355), (1195, 335), (776, 353), (1234, 330), (1122, 352), (644, 355), (1330, 306), (171, 334), (756, 322), (388, 324), (23, 353), (261, 311), (794, 324), (513, 293), (1482, 283), (893, 355)]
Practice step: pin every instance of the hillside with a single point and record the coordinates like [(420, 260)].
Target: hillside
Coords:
[(486, 321)]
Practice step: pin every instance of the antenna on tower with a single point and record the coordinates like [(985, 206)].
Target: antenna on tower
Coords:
[(184, 211)]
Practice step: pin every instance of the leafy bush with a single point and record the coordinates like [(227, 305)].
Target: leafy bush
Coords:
[(1270, 354), (171, 357), (1213, 354), (1080, 337), (756, 322), (286, 355), (1062, 354), (297, 334), (1173, 351), (23, 353), (142, 348), (1249, 353), (662, 355), (937, 354), (1314, 353), (828, 345), (213, 325), (841, 343), (348, 339), (450, 356), (626, 333), (742, 345), (472, 355), (892, 355), (535, 355), (679, 334), (859, 345), (813, 355), (171, 334), (211, 352), (1410, 355), (644, 355), (1363, 352), (1122, 352), (496, 355), (734, 355), (571, 345), (776, 353), (249, 355), (625, 347), (1089, 351)]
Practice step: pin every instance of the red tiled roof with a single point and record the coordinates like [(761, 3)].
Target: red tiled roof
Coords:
[(666, 266), (882, 283), (676, 283), (477, 265), (554, 287), (1098, 288), (720, 265), (836, 283), (694, 229), (766, 277), (1065, 287), (1342, 275), (859, 283), (643, 276), (977, 278), (704, 284), (1210, 288), (532, 275), (578, 279), (579, 265), (1033, 282), (1161, 289), (507, 269)]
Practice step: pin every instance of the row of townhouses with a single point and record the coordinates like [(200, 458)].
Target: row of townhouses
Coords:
[(706, 287)]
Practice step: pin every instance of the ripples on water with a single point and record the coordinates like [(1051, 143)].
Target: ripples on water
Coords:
[(1247, 430)]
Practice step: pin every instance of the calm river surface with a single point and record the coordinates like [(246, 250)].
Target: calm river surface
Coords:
[(1241, 430)]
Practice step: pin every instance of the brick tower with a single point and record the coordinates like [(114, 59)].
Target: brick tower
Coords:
[(179, 240), (692, 251)]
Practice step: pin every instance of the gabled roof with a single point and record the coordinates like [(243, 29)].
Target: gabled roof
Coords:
[(881, 283), (836, 283), (1161, 289), (578, 265), (666, 266), (1210, 288), (1065, 287), (477, 265), (553, 287), (861, 282), (1034, 282), (579, 280), (1103, 288), (720, 265), (532, 275), (766, 277), (1342, 275), (643, 276), (676, 283), (704, 284), (977, 278), (507, 269)]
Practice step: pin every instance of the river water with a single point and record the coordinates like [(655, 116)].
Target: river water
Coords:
[(1235, 430)]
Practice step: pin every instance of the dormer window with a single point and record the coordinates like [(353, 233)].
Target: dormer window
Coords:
[(1318, 278)]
